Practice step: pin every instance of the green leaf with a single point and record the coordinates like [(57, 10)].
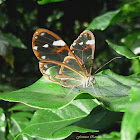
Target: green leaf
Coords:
[(76, 117), (1, 1), (130, 39), (122, 50), (13, 40), (7, 41), (46, 95), (19, 121), (2, 124), (6, 52), (41, 2), (131, 119), (132, 42), (103, 21), (116, 88), (42, 94), (135, 65), (129, 10)]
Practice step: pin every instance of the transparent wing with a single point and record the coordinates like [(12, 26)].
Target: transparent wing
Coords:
[(60, 73), (83, 47)]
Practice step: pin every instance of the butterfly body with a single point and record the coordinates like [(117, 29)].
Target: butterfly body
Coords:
[(74, 64), (87, 81)]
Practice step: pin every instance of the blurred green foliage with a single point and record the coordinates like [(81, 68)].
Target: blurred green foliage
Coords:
[(116, 26)]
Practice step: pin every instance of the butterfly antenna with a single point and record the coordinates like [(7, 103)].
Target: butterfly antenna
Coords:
[(107, 63)]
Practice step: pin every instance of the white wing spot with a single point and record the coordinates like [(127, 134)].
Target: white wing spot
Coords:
[(42, 33), (43, 57), (45, 46), (41, 63), (36, 37), (59, 43), (44, 71), (46, 66), (74, 43), (35, 47), (81, 43), (90, 42), (85, 34)]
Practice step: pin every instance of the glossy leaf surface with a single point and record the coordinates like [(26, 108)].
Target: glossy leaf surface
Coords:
[(46, 95), (76, 117)]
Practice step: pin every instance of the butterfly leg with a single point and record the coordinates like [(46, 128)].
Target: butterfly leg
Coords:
[(69, 92), (96, 83), (94, 91)]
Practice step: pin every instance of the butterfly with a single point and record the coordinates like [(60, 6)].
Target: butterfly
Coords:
[(73, 65)]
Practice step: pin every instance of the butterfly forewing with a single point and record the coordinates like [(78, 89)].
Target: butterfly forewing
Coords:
[(83, 47), (48, 45)]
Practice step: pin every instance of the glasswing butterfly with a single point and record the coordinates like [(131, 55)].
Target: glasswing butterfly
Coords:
[(74, 64)]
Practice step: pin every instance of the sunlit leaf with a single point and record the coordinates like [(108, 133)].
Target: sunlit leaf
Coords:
[(129, 10), (131, 121), (1, 1), (2, 124), (103, 21), (46, 95), (41, 2), (122, 50), (13, 40), (135, 65), (76, 117)]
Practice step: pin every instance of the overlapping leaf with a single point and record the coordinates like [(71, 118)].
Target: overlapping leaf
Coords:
[(131, 121), (122, 50), (7, 41), (2, 125), (18, 122), (76, 117)]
